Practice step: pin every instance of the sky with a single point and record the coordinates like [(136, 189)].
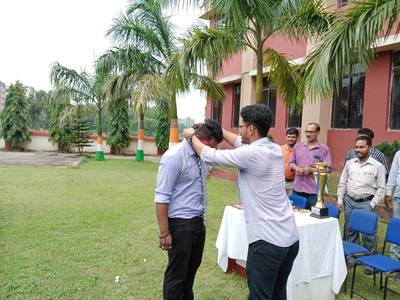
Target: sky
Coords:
[(35, 34)]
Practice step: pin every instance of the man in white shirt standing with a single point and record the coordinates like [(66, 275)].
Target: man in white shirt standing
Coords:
[(361, 186), (271, 228)]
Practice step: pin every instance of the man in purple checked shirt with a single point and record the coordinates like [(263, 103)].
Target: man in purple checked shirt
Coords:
[(304, 157)]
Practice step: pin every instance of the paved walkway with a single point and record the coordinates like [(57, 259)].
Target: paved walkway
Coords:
[(39, 159)]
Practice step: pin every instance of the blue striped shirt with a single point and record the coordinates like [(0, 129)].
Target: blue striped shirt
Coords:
[(394, 177), (375, 153), (178, 182)]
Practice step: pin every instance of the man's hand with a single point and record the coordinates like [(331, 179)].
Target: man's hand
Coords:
[(299, 171), (307, 171), (340, 206), (187, 132), (166, 242), (389, 201)]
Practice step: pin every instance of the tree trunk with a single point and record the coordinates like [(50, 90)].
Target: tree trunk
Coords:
[(140, 138), (174, 128), (99, 140)]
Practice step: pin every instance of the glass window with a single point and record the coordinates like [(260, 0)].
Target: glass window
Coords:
[(236, 104), (348, 101), (217, 111), (294, 117), (394, 114), (270, 97)]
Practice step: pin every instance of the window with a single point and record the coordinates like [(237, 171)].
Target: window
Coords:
[(270, 98), (347, 106), (294, 117), (394, 114), (236, 104), (217, 111)]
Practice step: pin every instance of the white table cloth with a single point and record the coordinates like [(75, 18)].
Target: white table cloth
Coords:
[(319, 269)]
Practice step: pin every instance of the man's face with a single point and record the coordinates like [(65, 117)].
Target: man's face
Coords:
[(244, 132), (291, 139), (362, 149), (311, 133)]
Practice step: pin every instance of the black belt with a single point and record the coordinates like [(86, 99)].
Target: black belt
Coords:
[(369, 198), (289, 180), (198, 219)]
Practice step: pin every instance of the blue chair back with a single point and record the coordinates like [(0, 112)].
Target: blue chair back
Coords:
[(363, 221), (333, 210), (299, 201), (393, 231)]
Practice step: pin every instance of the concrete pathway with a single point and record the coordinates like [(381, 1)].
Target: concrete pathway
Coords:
[(39, 159)]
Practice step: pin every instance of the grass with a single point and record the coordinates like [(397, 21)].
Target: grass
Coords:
[(66, 233)]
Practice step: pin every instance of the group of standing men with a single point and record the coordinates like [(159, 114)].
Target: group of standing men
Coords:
[(362, 182), (267, 173)]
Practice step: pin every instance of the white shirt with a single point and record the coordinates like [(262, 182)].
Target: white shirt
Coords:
[(261, 184), (360, 180)]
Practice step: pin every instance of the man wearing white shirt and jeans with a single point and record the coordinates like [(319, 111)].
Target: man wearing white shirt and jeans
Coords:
[(393, 197), (361, 186), (272, 233)]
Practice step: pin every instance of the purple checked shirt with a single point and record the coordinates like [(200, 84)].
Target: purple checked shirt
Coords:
[(304, 157)]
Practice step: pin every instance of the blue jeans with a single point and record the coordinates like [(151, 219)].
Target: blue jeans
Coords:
[(395, 249)]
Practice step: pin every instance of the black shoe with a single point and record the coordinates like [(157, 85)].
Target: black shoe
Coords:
[(368, 271)]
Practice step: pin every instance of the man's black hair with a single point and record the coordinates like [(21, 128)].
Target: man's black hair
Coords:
[(365, 138), (366, 131), (259, 115), (210, 129), (292, 131)]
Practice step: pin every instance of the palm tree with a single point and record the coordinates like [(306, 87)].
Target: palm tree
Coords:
[(350, 40), (248, 25), (85, 87), (146, 46)]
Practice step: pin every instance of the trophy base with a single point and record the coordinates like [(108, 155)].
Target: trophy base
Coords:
[(320, 213)]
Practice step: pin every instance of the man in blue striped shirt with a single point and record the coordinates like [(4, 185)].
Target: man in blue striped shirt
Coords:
[(393, 198), (181, 203), (375, 153)]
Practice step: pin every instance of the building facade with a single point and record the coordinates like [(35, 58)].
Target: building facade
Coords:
[(367, 97)]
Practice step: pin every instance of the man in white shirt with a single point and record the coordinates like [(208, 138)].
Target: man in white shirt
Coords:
[(361, 186), (271, 228)]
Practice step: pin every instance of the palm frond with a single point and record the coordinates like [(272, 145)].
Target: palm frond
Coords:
[(284, 76), (209, 47), (148, 88), (149, 14), (118, 59), (349, 42), (79, 84), (206, 84), (304, 18)]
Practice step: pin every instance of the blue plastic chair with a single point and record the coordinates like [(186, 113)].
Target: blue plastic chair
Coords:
[(380, 262), (364, 222), (298, 201), (333, 211)]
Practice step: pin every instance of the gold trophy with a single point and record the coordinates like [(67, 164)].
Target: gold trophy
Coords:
[(320, 177)]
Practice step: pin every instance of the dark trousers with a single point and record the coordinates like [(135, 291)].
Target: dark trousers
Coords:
[(311, 198), (188, 238), (268, 267)]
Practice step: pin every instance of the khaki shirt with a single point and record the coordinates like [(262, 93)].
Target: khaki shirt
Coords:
[(360, 180)]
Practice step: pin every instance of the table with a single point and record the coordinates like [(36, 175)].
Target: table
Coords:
[(319, 269)]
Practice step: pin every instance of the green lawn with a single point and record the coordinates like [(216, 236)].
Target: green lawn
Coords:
[(66, 233)]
